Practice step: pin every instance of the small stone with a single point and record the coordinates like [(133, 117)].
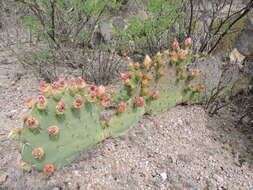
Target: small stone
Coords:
[(13, 83), (164, 176), (3, 178)]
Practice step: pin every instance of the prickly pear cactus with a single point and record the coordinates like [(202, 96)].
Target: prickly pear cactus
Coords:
[(66, 118)]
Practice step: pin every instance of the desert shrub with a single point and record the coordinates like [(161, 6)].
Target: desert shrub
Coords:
[(155, 32)]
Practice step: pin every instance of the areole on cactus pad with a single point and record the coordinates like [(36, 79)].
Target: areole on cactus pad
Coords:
[(65, 119)]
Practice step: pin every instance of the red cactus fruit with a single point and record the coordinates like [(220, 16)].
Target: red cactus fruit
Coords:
[(156, 95), (100, 91), (201, 88), (53, 130), (188, 42), (48, 169), (121, 107), (191, 86), (148, 76), (78, 103), (182, 55), (139, 101), (175, 45), (41, 102), (61, 82), (80, 83), (92, 96), (147, 62), (43, 86), (104, 102), (32, 123), (38, 153), (195, 73), (30, 102), (92, 88), (61, 107)]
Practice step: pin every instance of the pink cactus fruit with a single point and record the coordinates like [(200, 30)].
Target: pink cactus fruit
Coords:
[(148, 76), (44, 86), (175, 45), (139, 101), (201, 88), (78, 103), (158, 54), (182, 55), (48, 169), (92, 96), (156, 95), (38, 153), (61, 108), (80, 83), (125, 78), (30, 102), (191, 86), (121, 107), (61, 82), (166, 52), (146, 92), (32, 123), (131, 66), (104, 102), (100, 91), (92, 88), (195, 73), (53, 130), (41, 102), (188, 42)]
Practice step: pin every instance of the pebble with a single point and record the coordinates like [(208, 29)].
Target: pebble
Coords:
[(164, 176), (3, 178)]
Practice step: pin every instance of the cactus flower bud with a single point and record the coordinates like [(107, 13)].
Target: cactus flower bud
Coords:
[(38, 153), (175, 45), (41, 102), (44, 87), (92, 96), (15, 134), (201, 88), (188, 42), (139, 74), (148, 76), (78, 103), (125, 78), (195, 73), (147, 62), (61, 82), (80, 83), (32, 123), (144, 83), (156, 95), (173, 54), (182, 55), (61, 108), (191, 86), (173, 60), (104, 102), (53, 130), (121, 107), (24, 166), (161, 73), (48, 169), (131, 66), (30, 102), (137, 65), (146, 92), (158, 54), (166, 52), (55, 86), (100, 91), (183, 76), (139, 101), (161, 63)]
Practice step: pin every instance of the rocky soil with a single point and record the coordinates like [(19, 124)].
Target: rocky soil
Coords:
[(179, 149)]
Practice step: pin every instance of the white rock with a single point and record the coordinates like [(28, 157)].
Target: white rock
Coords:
[(164, 176)]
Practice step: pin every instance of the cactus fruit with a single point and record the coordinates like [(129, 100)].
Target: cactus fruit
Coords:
[(65, 119)]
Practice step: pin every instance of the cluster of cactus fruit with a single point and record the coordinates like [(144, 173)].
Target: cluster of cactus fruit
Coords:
[(65, 119)]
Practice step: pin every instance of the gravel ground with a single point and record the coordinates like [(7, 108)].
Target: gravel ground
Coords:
[(182, 149)]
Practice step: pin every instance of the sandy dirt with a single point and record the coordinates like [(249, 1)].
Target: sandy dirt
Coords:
[(180, 149)]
